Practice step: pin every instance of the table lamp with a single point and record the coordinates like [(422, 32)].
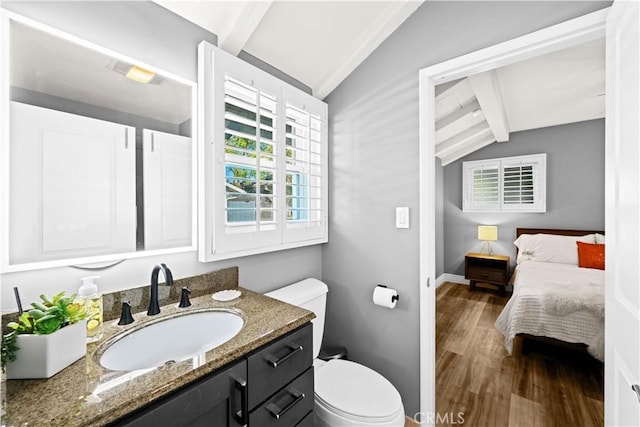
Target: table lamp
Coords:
[(487, 233)]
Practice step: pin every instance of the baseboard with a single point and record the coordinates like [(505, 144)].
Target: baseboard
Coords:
[(453, 278)]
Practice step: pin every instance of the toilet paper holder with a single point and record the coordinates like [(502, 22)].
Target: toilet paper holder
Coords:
[(394, 298)]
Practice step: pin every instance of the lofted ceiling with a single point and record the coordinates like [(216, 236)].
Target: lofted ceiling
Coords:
[(318, 43), (562, 87)]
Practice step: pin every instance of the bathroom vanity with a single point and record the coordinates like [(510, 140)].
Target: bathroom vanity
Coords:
[(270, 387), (261, 377)]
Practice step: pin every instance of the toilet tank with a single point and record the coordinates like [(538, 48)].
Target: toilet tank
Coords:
[(310, 294)]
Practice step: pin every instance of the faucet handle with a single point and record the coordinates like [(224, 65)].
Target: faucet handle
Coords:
[(125, 316), (184, 299)]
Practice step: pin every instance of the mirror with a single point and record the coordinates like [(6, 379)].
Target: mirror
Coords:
[(101, 158)]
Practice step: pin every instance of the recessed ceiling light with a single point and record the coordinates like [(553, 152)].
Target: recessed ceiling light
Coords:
[(140, 74)]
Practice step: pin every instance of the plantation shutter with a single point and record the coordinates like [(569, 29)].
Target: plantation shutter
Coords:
[(262, 161), (510, 184), (523, 183), (481, 183), (250, 158), (305, 168)]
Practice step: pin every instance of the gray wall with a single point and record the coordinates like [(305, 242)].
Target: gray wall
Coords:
[(575, 189), (374, 168), (152, 34)]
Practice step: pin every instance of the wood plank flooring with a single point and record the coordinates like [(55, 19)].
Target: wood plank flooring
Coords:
[(476, 377)]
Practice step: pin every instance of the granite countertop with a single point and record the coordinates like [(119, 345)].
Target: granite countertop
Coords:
[(85, 394)]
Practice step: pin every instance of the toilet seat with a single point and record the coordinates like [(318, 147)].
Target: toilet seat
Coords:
[(357, 393)]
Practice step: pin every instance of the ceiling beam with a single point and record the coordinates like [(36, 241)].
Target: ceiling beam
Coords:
[(238, 30), (457, 115), (468, 149), (487, 91), (457, 142), (452, 98)]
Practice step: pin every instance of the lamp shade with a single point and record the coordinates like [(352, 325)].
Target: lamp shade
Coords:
[(487, 232)]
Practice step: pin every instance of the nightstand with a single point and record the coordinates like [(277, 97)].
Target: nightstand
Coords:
[(483, 268)]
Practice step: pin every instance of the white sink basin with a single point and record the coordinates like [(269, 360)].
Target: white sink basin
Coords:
[(170, 340)]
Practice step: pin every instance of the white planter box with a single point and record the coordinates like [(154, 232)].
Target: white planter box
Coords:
[(42, 356)]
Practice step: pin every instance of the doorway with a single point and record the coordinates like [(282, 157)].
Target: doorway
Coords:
[(570, 33)]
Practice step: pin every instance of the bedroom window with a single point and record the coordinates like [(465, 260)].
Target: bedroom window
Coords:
[(509, 184)]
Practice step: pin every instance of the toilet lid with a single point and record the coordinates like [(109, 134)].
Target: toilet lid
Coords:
[(353, 390)]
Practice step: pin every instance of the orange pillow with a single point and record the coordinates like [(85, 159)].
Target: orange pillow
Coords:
[(591, 255)]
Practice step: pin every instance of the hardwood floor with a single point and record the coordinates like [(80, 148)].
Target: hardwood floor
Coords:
[(477, 378)]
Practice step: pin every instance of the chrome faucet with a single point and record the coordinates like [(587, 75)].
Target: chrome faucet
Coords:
[(154, 307)]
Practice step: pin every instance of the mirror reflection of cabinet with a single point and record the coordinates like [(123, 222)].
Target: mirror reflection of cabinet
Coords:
[(167, 190), (73, 185)]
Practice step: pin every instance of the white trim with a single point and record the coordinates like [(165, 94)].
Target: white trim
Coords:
[(451, 278), (567, 34)]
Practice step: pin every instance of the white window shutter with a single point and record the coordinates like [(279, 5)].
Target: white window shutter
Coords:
[(305, 168), (524, 183), (246, 119), (510, 184), (481, 185)]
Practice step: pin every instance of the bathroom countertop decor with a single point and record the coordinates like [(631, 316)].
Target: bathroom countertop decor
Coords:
[(86, 394)]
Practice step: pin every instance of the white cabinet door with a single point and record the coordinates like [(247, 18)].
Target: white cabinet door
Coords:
[(167, 162), (622, 211), (72, 186)]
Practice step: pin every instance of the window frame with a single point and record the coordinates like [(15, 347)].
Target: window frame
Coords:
[(538, 162), (216, 238)]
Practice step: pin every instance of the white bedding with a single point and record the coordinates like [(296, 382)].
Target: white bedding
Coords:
[(541, 290)]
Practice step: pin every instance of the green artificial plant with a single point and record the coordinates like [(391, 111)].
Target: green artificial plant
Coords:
[(44, 318)]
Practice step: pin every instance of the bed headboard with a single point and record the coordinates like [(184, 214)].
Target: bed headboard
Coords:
[(558, 231)]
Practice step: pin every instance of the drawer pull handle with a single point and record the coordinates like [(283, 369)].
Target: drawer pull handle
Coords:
[(277, 413), (273, 362), (242, 416)]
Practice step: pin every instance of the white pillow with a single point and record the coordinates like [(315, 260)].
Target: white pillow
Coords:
[(600, 238), (550, 247)]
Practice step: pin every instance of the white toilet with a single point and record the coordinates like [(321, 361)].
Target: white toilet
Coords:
[(346, 393)]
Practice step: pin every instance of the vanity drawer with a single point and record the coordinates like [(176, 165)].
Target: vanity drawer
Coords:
[(278, 363), (287, 407)]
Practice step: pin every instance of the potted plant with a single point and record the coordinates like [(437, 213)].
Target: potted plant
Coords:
[(45, 339)]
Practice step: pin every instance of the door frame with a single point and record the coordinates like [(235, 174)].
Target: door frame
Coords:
[(570, 33)]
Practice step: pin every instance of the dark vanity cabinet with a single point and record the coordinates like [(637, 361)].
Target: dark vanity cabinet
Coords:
[(272, 386), (281, 380), (212, 401)]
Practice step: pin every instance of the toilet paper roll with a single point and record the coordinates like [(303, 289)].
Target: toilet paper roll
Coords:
[(385, 297)]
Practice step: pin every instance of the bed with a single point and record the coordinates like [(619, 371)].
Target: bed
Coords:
[(553, 297)]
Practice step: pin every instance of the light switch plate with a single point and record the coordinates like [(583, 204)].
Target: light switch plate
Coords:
[(402, 217)]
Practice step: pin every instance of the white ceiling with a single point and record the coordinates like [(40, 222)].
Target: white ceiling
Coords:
[(318, 43), (562, 87)]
